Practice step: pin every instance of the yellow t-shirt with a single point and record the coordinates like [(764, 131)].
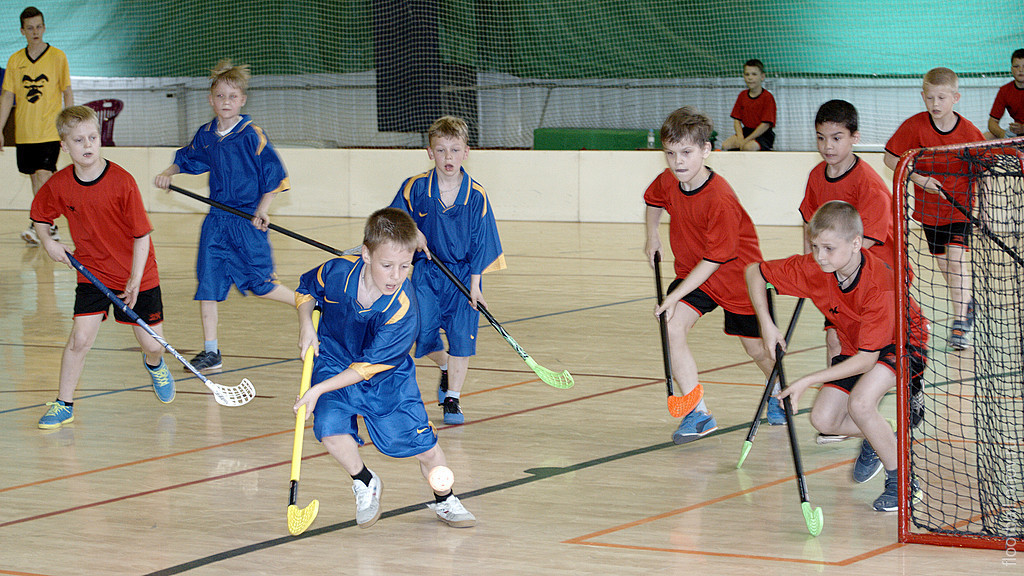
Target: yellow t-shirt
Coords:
[(38, 87)]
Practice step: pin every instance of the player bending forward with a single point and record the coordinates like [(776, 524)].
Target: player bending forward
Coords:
[(855, 290), (362, 365)]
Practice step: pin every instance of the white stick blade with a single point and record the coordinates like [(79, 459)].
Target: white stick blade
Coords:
[(233, 395)]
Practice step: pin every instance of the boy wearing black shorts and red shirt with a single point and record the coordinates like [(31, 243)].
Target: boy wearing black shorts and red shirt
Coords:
[(855, 290), (946, 228), (753, 114), (712, 239), (1009, 100), (109, 225)]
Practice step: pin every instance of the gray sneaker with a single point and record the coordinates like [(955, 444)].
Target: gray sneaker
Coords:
[(206, 361), (453, 513), (367, 500)]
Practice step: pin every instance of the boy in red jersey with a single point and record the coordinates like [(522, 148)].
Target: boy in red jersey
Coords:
[(855, 290), (1009, 99), (947, 230), (753, 114), (713, 239), (109, 225)]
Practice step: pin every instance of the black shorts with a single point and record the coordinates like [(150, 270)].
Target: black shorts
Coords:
[(744, 325), (766, 141), (938, 237), (89, 300), (35, 157), (887, 356)]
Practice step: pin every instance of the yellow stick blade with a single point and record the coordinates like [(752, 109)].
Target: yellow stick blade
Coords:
[(299, 520)]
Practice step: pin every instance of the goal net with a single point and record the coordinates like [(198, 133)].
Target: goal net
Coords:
[(968, 452)]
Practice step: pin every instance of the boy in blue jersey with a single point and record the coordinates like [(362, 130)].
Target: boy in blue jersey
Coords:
[(246, 174), (457, 226), (362, 364)]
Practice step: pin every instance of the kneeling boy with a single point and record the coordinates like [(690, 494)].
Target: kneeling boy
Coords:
[(855, 290)]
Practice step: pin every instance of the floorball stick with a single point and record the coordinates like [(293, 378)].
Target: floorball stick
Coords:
[(224, 395), (550, 377), (274, 227), (768, 386), (678, 406), (301, 518), (813, 517)]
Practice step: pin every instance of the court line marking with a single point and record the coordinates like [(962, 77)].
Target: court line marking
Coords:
[(585, 540)]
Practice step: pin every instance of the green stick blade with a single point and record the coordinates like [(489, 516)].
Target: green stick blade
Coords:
[(814, 518), (554, 379), (747, 445)]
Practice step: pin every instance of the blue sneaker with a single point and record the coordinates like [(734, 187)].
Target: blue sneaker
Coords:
[(57, 415), (972, 309), (888, 501), (695, 425), (163, 382), (867, 464), (776, 412), (452, 412), (442, 387)]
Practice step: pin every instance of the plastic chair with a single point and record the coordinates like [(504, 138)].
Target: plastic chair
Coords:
[(107, 110)]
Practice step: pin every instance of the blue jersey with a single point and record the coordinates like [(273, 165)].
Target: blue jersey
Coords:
[(463, 235), (243, 165), (373, 341)]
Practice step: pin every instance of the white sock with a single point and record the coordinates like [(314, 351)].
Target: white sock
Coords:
[(702, 407)]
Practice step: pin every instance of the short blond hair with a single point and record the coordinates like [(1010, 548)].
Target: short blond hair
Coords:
[(235, 75), (942, 77), (390, 225), (449, 127), (72, 116), (839, 217)]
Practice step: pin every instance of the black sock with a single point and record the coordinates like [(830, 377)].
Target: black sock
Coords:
[(364, 475), (441, 498), (66, 403)]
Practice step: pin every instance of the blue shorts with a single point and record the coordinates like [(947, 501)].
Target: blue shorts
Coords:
[(401, 431), (233, 251), (443, 306)]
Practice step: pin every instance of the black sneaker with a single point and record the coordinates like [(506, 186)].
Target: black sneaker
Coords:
[(206, 361), (442, 387), (917, 409), (452, 412)]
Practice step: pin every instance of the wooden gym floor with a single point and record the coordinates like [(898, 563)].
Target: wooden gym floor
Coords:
[(580, 481)]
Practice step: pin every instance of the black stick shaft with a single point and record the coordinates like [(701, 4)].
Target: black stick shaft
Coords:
[(662, 328), (797, 464), (981, 226), (273, 227), (766, 396)]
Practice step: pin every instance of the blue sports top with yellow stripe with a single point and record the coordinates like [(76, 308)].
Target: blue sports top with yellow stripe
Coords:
[(464, 234), (373, 341), (243, 164)]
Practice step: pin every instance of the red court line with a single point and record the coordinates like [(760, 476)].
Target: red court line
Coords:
[(11, 573), (585, 539)]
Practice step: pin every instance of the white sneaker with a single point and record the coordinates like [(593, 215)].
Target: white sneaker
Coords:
[(824, 439), (367, 500), (29, 236), (53, 233), (453, 513)]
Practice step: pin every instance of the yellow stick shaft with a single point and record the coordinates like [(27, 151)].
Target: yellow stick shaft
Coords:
[(300, 417)]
